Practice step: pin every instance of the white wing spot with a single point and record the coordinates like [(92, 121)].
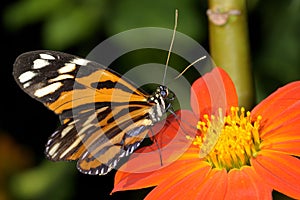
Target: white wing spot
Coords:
[(85, 155), (53, 149), (123, 154), (69, 67), (66, 130), (26, 76), (89, 120), (115, 163), (48, 89), (85, 128), (40, 63), (102, 170), (80, 61), (73, 122), (61, 77), (132, 149), (26, 84), (47, 56), (72, 146), (108, 170)]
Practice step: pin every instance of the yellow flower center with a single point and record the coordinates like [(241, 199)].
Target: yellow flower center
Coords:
[(228, 141)]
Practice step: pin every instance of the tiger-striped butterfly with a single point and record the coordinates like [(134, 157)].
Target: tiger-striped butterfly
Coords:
[(104, 116)]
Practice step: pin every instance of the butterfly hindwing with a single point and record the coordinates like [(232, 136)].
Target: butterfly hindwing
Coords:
[(93, 144), (104, 117)]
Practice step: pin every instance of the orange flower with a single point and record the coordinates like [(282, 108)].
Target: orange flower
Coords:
[(234, 154)]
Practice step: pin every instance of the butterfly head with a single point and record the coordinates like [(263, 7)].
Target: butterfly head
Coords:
[(161, 99), (165, 93), (162, 91)]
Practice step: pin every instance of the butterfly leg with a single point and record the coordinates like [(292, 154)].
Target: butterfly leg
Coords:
[(171, 110), (156, 142)]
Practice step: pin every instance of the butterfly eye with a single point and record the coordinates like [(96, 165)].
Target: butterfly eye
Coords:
[(163, 93)]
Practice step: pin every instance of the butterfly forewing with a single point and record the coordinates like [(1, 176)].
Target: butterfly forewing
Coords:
[(104, 116)]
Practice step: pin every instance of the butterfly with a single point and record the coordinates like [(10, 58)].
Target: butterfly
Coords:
[(104, 116)]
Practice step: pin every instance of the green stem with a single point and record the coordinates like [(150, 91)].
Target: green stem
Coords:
[(229, 44)]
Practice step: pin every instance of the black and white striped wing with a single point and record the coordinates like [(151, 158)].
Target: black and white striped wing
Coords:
[(104, 116)]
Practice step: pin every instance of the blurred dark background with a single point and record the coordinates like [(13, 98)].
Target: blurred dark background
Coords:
[(76, 27)]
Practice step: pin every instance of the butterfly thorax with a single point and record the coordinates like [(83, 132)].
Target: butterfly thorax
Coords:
[(160, 107)]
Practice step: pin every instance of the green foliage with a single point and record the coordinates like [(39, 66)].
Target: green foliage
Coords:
[(276, 59), (28, 12), (132, 14), (70, 26), (66, 23), (44, 182)]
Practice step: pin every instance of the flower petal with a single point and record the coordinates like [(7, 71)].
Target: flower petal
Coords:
[(288, 117), (245, 184), (287, 128), (278, 102), (213, 91), (283, 138), (182, 125), (125, 180), (179, 169), (281, 131), (284, 141), (214, 186), (177, 186), (289, 147), (201, 184), (280, 171)]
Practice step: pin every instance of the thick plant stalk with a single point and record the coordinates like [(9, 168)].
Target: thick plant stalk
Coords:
[(229, 44)]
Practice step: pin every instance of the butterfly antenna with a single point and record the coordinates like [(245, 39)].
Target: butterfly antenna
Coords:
[(171, 46), (203, 57)]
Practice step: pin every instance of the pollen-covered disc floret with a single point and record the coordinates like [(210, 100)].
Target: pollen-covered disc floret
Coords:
[(228, 141)]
